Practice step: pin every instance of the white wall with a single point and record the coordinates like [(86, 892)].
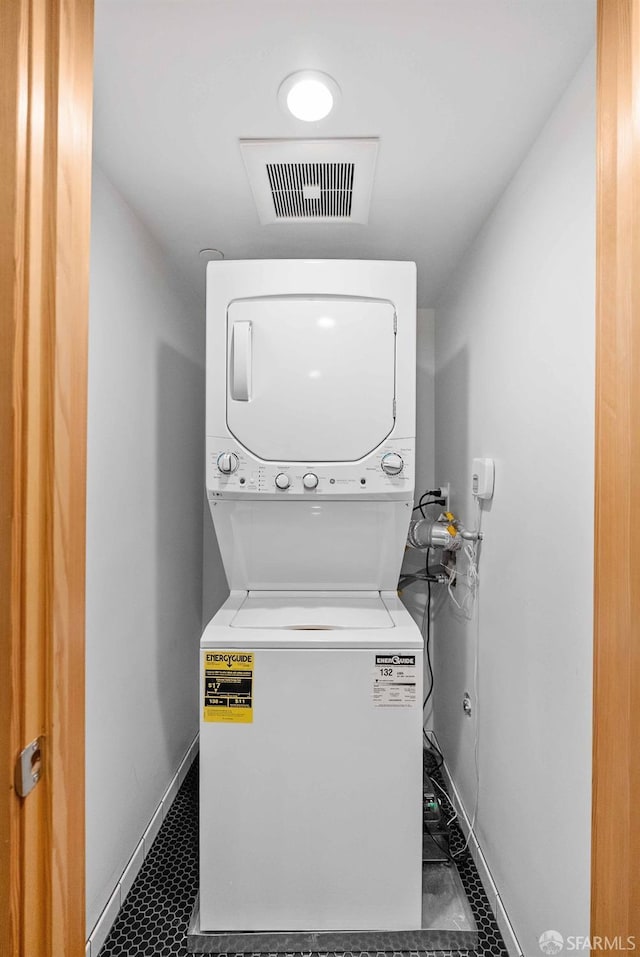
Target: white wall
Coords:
[(144, 534), (515, 381)]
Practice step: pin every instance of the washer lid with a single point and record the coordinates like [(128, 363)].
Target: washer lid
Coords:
[(307, 612), (311, 379)]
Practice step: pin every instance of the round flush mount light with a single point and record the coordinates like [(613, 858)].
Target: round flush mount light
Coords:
[(308, 95)]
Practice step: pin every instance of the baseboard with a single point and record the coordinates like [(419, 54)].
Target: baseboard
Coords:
[(491, 890), (107, 918)]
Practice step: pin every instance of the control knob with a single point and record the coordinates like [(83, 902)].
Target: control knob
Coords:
[(392, 463), (282, 481), (310, 480), (227, 463)]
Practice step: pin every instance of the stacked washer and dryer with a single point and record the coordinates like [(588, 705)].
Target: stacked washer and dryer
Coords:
[(311, 672)]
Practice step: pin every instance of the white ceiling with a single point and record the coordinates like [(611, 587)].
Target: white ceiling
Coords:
[(456, 90)]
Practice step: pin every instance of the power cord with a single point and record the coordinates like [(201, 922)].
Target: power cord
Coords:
[(426, 631), (434, 752), (430, 745), (435, 494), (469, 604)]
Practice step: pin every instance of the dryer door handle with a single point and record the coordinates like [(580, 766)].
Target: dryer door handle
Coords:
[(241, 362)]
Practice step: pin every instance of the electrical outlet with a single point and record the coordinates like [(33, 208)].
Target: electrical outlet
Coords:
[(445, 489)]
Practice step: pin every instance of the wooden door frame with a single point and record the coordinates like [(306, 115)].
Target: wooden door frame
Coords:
[(615, 868), (46, 63), (46, 77)]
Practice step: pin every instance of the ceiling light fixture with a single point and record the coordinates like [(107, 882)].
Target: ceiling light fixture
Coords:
[(308, 95)]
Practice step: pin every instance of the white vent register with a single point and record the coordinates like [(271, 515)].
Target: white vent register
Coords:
[(311, 180), (311, 190)]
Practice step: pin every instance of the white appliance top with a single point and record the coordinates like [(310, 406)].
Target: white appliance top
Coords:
[(401, 635), (300, 611)]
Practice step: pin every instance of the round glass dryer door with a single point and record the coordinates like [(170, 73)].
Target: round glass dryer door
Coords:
[(310, 380)]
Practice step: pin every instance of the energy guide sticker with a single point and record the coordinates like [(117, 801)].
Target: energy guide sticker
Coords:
[(228, 686), (394, 681)]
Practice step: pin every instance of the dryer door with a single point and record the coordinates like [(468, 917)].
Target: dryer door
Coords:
[(310, 380)]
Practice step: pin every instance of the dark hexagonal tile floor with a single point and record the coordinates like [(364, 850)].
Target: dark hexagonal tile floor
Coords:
[(154, 918)]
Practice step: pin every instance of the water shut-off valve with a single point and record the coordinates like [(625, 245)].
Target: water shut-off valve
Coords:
[(446, 532)]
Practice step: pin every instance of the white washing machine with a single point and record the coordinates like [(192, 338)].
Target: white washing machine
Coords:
[(311, 672)]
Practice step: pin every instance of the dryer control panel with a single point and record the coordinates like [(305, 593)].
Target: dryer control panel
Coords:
[(233, 472)]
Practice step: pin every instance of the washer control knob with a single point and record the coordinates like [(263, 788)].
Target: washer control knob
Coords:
[(310, 480), (282, 481), (392, 463), (227, 463)]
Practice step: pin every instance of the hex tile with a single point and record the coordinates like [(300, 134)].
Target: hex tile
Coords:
[(154, 918)]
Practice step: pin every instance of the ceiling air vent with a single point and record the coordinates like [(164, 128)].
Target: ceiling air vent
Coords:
[(311, 180), (311, 190)]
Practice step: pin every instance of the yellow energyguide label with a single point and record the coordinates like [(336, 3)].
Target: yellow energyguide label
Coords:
[(228, 686)]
